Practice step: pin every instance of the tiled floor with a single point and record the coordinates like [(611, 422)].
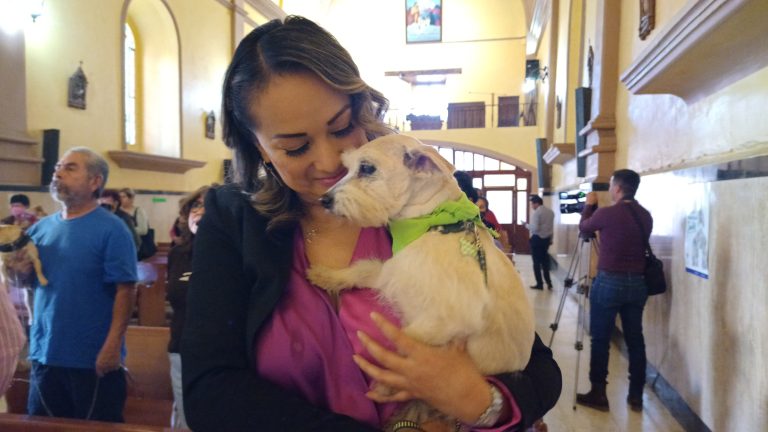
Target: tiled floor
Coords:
[(655, 417)]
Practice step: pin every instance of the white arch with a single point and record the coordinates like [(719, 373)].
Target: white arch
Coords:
[(479, 150)]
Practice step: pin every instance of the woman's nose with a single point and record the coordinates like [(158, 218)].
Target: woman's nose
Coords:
[(328, 156)]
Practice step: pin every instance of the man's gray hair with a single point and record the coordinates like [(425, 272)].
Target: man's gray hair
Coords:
[(95, 164)]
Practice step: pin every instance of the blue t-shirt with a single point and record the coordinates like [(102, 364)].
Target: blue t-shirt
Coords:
[(83, 259)]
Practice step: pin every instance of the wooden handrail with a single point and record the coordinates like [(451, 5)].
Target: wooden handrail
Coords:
[(25, 423)]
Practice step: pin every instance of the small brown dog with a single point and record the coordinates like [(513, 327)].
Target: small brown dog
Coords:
[(13, 239)]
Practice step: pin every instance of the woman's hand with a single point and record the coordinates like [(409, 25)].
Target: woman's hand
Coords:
[(444, 377)]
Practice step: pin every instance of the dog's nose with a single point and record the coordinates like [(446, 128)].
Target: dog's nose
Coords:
[(326, 201)]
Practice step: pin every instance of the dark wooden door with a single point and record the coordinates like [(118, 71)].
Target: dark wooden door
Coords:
[(508, 199)]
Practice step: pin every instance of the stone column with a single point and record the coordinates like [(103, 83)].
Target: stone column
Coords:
[(600, 131), (19, 163)]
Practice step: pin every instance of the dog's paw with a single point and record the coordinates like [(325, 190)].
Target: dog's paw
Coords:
[(326, 278)]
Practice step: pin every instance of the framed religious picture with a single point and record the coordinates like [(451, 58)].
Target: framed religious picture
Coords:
[(647, 17), (423, 21), (210, 125), (78, 83)]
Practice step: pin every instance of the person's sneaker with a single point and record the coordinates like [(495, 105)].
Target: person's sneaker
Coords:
[(635, 402), (538, 287), (549, 287)]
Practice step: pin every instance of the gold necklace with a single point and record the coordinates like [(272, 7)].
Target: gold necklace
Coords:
[(310, 234)]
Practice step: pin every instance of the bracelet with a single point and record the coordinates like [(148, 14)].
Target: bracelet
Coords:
[(406, 424), (491, 414)]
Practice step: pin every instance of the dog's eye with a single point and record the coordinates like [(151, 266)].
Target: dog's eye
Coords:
[(366, 169)]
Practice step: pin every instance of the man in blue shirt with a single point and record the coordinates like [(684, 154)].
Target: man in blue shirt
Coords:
[(80, 317)]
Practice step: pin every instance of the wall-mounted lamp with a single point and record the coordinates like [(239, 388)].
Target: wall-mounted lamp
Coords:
[(36, 9), (15, 14), (533, 73)]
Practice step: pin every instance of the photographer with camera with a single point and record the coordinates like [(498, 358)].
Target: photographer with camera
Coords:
[(619, 287)]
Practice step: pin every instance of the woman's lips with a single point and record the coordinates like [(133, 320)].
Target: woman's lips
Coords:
[(332, 180)]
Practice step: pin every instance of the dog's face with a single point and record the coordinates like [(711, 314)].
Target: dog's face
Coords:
[(9, 233), (392, 177)]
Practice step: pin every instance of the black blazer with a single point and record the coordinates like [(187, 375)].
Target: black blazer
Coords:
[(239, 274)]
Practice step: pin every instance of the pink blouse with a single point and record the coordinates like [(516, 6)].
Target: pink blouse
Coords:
[(317, 363)]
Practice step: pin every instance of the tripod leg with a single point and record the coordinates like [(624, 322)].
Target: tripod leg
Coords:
[(554, 325), (573, 267), (569, 278), (579, 336)]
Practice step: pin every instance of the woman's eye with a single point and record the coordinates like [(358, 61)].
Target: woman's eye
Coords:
[(344, 132), (366, 169), (298, 151)]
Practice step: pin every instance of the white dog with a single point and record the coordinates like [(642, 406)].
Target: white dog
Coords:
[(12, 239), (451, 283)]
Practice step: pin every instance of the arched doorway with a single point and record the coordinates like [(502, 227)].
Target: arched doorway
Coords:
[(506, 186)]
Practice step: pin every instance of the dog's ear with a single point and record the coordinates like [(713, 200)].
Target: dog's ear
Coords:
[(418, 161), (426, 160)]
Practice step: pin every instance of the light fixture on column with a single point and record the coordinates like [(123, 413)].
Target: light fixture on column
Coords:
[(533, 73), (36, 9)]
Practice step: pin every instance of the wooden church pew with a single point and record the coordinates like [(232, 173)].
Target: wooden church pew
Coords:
[(150, 293), (150, 397), (25, 423)]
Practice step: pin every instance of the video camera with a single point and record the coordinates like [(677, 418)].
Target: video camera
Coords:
[(573, 201)]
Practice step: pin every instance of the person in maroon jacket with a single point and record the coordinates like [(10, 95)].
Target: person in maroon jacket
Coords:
[(619, 287)]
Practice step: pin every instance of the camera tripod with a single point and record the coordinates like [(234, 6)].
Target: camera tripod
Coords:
[(579, 275)]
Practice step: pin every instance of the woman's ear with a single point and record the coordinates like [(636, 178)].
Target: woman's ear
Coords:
[(264, 155)]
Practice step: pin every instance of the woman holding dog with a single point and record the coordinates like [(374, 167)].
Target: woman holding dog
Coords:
[(263, 349)]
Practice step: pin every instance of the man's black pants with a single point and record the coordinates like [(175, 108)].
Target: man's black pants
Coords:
[(540, 255)]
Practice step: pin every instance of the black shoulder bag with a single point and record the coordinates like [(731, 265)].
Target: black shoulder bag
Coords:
[(654, 268)]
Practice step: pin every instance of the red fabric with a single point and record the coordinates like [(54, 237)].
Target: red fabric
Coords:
[(491, 218)]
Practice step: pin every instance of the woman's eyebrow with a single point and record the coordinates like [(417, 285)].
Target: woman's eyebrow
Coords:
[(293, 135), (338, 114)]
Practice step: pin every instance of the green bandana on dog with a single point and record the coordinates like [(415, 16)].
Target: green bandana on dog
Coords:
[(405, 231)]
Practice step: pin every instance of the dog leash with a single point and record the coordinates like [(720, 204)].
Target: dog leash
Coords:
[(472, 247), (15, 245)]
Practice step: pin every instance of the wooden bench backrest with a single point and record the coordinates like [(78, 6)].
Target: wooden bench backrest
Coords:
[(147, 362), (24, 423)]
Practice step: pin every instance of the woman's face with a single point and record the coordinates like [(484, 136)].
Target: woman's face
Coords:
[(125, 200), (196, 212), (482, 205), (304, 126)]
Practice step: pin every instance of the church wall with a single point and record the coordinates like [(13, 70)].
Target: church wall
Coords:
[(705, 336)]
